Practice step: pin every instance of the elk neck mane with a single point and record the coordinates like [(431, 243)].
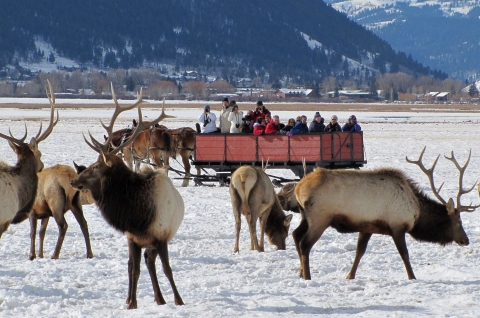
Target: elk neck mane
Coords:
[(121, 185)]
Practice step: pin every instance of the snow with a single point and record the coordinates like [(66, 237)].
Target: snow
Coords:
[(213, 281)]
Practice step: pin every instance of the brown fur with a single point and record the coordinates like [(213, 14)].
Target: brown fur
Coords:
[(253, 195), (54, 198)]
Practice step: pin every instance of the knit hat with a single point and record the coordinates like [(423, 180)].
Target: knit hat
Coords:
[(206, 107), (352, 118), (317, 114), (259, 103), (225, 99)]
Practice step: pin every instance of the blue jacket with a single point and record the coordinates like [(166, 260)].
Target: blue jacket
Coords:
[(355, 127), (299, 128)]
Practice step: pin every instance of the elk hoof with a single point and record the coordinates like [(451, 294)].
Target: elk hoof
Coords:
[(90, 255), (350, 276), (32, 257), (179, 302), (132, 305), (235, 250), (160, 301)]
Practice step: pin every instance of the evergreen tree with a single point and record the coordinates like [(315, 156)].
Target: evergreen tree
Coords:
[(473, 90), (373, 88)]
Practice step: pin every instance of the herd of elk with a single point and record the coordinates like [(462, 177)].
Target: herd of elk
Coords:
[(145, 205), (381, 201), (253, 196), (54, 198), (18, 184)]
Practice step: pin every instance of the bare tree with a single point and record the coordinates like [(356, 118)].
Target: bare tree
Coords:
[(162, 88), (197, 89)]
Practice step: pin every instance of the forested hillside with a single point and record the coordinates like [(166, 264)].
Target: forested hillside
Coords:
[(240, 38)]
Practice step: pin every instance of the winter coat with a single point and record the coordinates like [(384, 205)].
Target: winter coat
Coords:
[(331, 128), (224, 121), (245, 128), (299, 128), (235, 121), (258, 129), (317, 127), (207, 122), (351, 128), (271, 128)]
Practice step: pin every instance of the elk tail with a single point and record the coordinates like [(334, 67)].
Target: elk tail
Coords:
[(247, 182)]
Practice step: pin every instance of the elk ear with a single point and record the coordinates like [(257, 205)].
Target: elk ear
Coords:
[(450, 206), (33, 144), (287, 220)]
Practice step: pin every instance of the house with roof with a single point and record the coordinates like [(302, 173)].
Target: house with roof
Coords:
[(288, 93)]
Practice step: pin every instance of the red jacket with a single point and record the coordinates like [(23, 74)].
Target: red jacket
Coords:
[(258, 130), (271, 128)]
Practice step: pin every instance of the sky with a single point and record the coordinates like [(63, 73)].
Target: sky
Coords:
[(213, 281)]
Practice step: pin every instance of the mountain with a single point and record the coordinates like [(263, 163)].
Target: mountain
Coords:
[(441, 34), (305, 40)]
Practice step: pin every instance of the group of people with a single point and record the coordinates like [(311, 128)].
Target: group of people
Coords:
[(261, 122)]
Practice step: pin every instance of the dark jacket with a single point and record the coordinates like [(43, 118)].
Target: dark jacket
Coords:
[(331, 127), (317, 127), (245, 128), (299, 128), (354, 127)]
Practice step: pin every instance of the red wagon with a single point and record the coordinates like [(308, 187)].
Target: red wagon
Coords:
[(226, 152)]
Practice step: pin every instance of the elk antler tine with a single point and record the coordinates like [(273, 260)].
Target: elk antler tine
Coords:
[(39, 131), (89, 144), (21, 139)]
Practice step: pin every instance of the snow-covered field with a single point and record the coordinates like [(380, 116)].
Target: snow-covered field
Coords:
[(212, 280)]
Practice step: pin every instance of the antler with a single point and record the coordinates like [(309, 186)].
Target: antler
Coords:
[(118, 110), (461, 190), (103, 147), (13, 139), (429, 173), (48, 131)]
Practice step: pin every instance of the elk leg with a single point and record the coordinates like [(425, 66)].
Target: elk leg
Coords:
[(401, 244), (252, 225), (150, 256), (238, 225), (43, 231), (162, 248), (78, 214), (62, 231), (306, 243), (263, 224), (33, 232), (298, 235), (362, 243), (135, 256)]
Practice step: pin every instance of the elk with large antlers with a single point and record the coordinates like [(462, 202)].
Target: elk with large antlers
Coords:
[(18, 184), (145, 206), (382, 201)]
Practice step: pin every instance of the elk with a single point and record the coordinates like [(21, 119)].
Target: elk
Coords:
[(145, 206), (253, 195), (18, 184), (54, 198), (287, 197), (383, 201)]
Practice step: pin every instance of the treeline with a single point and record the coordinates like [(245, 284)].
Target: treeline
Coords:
[(227, 38), (393, 86)]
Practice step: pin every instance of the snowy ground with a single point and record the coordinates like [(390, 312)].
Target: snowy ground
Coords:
[(212, 280)]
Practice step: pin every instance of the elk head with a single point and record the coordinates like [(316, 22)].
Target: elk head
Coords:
[(23, 149), (108, 161), (458, 233)]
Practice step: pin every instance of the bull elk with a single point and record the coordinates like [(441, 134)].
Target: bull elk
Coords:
[(18, 184), (382, 201), (253, 195), (54, 198), (145, 206)]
